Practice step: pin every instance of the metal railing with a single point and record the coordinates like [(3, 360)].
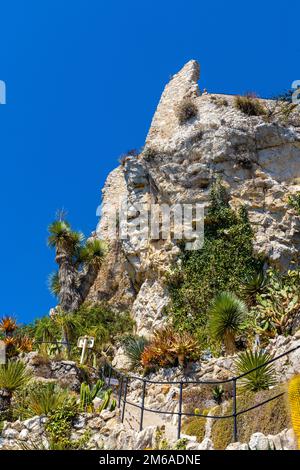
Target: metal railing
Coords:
[(122, 382)]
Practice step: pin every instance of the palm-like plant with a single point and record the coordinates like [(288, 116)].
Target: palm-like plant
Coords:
[(91, 256), (53, 284), (62, 236), (227, 317), (260, 379), (13, 376), (66, 243), (67, 323), (93, 252)]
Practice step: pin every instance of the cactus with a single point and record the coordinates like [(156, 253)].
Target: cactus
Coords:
[(113, 405), (294, 402), (87, 395), (106, 400)]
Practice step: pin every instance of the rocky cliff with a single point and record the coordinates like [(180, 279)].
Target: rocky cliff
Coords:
[(257, 158)]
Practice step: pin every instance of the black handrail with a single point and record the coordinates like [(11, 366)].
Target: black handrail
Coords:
[(181, 383), (122, 400)]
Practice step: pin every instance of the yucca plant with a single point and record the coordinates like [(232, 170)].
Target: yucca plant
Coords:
[(66, 243), (218, 393), (67, 322), (92, 256), (226, 319), (260, 379), (78, 264), (134, 347), (13, 376), (93, 252)]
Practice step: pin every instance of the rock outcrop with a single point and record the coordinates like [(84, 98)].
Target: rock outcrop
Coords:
[(258, 159), (105, 432)]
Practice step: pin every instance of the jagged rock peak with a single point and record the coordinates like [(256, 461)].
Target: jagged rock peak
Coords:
[(182, 85)]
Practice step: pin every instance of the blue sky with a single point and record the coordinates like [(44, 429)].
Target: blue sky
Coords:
[(83, 81)]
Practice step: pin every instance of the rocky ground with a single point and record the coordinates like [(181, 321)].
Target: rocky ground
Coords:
[(106, 430)]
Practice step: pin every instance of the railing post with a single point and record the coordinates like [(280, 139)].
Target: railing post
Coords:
[(143, 404), (180, 410), (235, 431), (120, 390), (124, 399), (109, 375)]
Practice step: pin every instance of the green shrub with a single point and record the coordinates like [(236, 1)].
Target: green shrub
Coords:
[(294, 202), (277, 307), (98, 319), (39, 399), (273, 418), (223, 264), (260, 379), (186, 110), (195, 427), (249, 105)]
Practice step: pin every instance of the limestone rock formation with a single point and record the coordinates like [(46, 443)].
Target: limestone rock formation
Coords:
[(257, 157)]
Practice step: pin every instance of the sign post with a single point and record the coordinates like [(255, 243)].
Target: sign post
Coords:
[(85, 342)]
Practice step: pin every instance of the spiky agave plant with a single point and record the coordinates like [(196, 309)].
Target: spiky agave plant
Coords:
[(25, 344), (226, 319), (13, 376), (254, 285), (134, 347), (44, 399), (185, 346), (260, 379), (8, 325)]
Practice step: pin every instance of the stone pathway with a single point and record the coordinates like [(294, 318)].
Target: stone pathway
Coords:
[(132, 421)]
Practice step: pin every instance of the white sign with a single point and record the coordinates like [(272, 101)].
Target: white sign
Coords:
[(87, 341)]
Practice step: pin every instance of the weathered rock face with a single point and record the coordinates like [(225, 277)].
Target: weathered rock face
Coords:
[(257, 158), (64, 373)]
